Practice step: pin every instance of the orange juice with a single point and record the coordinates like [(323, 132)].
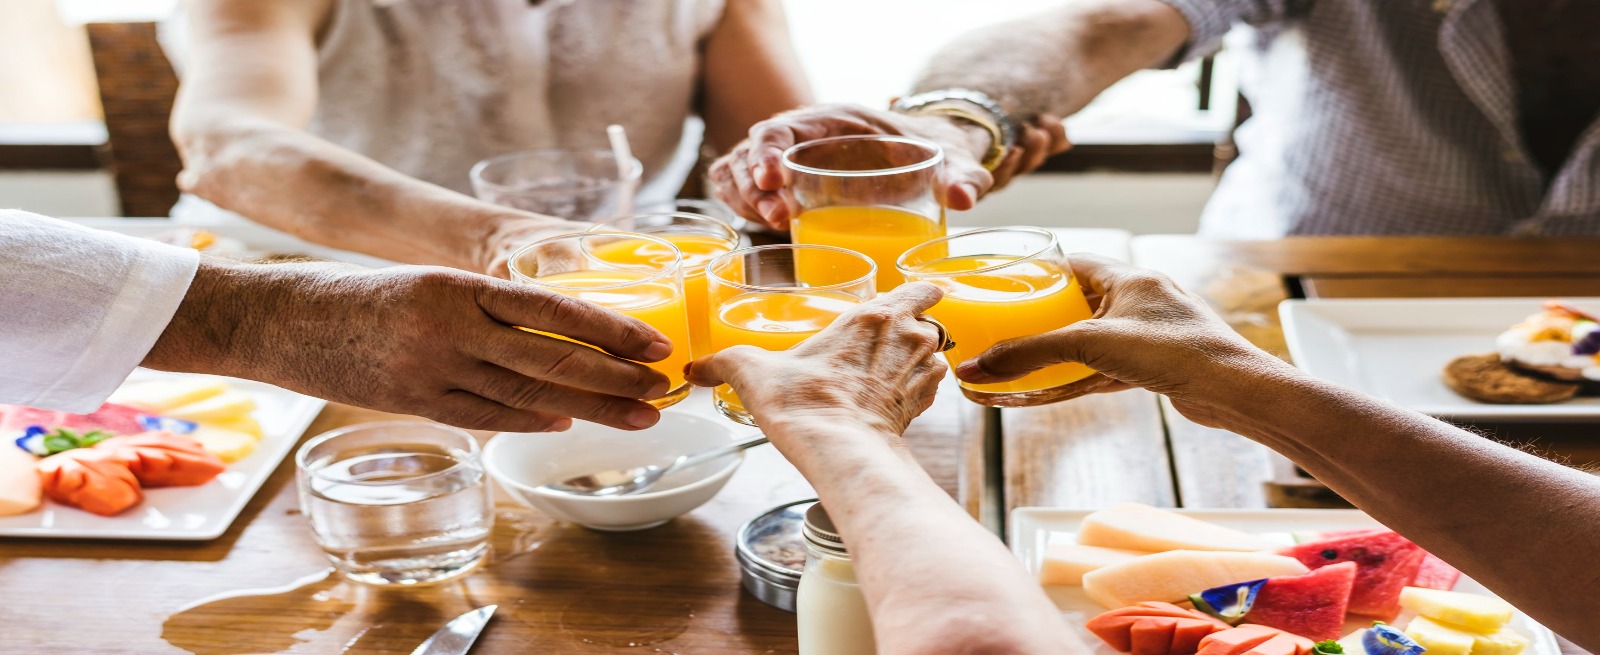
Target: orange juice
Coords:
[(658, 303), (882, 233), (698, 250), (1024, 299), (773, 321)]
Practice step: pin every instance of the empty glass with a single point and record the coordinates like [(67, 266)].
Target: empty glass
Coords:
[(577, 185), (397, 503)]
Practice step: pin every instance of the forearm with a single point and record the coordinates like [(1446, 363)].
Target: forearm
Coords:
[(935, 581), (1057, 62), (294, 181), (1522, 525)]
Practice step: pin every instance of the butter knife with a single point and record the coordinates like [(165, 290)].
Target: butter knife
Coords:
[(457, 636)]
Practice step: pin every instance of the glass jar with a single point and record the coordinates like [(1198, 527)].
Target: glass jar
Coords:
[(832, 613)]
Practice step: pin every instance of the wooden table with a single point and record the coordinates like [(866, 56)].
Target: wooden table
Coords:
[(263, 587)]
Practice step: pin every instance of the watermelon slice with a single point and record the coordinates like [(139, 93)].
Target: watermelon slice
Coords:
[(19, 418), (1434, 574), (1310, 605), (1385, 563), (111, 417)]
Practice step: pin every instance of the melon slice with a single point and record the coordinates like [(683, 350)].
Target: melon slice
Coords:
[(111, 417), (20, 490), (1434, 574), (1311, 605), (1134, 526), (1065, 564), (1385, 563), (1171, 576), (1485, 614)]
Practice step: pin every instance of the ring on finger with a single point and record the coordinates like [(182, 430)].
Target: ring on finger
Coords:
[(945, 342)]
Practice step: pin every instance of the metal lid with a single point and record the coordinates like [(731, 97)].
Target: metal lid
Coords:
[(820, 533), (771, 545)]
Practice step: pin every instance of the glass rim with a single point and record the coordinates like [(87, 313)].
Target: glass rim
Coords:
[(524, 278), (635, 172), (869, 278), (724, 229), (1054, 242), (934, 158), (473, 450)]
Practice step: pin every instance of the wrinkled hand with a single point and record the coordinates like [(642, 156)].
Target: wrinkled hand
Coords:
[(751, 177), (1145, 333), (874, 367), (518, 230), (418, 340)]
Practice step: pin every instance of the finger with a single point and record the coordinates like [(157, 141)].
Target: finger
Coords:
[(464, 409), (910, 299), (768, 140), (1014, 358), (1009, 167), (551, 312), (1098, 274), (725, 190), (965, 182), (1057, 131), (522, 392), (721, 367), (1035, 147), (566, 363), (769, 206)]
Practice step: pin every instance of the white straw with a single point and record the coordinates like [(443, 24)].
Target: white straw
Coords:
[(620, 149)]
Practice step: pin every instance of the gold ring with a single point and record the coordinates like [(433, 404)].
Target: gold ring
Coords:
[(945, 342)]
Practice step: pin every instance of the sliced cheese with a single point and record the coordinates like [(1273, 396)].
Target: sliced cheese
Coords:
[(159, 396), (1133, 526), (226, 406), (228, 445), (20, 488), (1065, 564)]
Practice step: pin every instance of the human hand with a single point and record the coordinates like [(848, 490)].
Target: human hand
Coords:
[(873, 368), (430, 341), (1146, 332), (751, 177), (517, 230)]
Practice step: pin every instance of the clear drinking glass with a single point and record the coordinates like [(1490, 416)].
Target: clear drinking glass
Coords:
[(766, 297), (700, 238), (398, 503), (873, 194), (1002, 283), (577, 185), (632, 274)]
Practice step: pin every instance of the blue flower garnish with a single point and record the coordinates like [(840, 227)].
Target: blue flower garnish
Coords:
[(1228, 602), (1384, 639), (167, 424)]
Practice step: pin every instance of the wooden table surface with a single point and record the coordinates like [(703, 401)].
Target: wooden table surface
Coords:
[(264, 586)]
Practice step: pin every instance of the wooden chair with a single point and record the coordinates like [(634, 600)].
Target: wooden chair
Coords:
[(137, 89)]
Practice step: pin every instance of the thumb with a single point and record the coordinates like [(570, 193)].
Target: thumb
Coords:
[(722, 367), (1014, 358), (964, 182)]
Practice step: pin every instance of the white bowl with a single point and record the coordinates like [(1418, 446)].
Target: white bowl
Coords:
[(522, 462)]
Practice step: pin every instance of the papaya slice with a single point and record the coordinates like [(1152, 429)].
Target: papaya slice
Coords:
[(1237, 641), (1152, 636)]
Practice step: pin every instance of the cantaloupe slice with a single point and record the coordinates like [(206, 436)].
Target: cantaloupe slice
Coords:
[(158, 396), (226, 406), (20, 490), (1065, 564), (1133, 526), (1173, 575)]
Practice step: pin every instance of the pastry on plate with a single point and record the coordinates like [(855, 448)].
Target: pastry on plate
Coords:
[(1562, 343), (1487, 379)]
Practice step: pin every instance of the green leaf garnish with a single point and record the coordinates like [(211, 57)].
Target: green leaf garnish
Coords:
[(63, 439), (1328, 647)]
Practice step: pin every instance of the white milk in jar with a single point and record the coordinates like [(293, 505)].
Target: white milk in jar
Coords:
[(832, 613)]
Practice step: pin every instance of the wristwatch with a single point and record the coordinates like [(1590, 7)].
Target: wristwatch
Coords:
[(975, 107)]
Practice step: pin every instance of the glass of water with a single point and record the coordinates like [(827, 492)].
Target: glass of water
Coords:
[(397, 503), (577, 185)]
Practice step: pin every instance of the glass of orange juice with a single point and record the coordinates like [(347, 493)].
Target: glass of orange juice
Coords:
[(649, 289), (698, 237), (1002, 283), (874, 194), (760, 297)]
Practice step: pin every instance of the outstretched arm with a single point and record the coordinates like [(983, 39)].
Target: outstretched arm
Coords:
[(1523, 526)]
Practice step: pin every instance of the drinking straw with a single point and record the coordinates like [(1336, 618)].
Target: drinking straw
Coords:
[(620, 149)]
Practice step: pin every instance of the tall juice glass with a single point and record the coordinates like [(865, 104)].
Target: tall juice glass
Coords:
[(760, 298), (700, 238), (650, 290), (873, 194), (1002, 283)]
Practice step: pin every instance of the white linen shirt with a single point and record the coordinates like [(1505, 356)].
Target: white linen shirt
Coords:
[(81, 308)]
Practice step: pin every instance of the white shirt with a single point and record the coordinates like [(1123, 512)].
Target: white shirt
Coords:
[(80, 308)]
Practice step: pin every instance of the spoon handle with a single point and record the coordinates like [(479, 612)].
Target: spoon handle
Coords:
[(721, 451)]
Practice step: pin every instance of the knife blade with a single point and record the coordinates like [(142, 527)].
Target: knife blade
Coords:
[(458, 635)]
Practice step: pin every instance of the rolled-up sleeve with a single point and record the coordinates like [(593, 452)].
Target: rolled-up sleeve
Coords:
[(81, 308), (1209, 20)]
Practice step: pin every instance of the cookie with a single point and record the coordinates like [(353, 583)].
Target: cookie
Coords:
[(1557, 373), (1485, 378)]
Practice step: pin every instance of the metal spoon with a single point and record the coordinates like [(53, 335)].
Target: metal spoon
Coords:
[(623, 482)]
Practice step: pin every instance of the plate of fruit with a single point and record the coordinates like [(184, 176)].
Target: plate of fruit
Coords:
[(167, 457), (1149, 581)]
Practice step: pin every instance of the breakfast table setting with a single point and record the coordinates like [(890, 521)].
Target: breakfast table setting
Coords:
[(263, 584)]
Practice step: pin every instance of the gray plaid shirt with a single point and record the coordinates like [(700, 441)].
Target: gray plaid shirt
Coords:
[(1384, 117)]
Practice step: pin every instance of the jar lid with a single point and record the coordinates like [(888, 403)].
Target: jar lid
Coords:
[(821, 534), (772, 544)]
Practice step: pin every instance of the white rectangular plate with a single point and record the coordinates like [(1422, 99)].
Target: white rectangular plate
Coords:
[(1034, 528), (1397, 350), (186, 513)]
